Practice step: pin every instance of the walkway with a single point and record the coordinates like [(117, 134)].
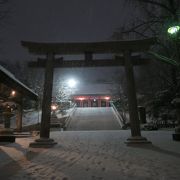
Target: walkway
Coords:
[(93, 155), (100, 118)]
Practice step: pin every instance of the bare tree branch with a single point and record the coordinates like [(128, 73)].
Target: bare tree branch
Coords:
[(141, 25), (158, 4)]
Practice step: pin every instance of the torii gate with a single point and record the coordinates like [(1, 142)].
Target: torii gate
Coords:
[(126, 48)]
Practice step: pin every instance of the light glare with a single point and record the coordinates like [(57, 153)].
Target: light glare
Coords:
[(173, 30), (107, 98), (13, 93), (53, 107), (71, 83)]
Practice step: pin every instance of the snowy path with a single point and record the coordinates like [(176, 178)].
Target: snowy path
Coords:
[(96, 155)]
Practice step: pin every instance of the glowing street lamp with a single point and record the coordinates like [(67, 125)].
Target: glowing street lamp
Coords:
[(81, 98), (13, 93), (53, 107), (173, 30), (71, 83), (107, 98)]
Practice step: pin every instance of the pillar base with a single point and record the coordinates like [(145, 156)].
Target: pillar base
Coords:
[(137, 140), (6, 135), (5, 131), (176, 136), (43, 143), (7, 138)]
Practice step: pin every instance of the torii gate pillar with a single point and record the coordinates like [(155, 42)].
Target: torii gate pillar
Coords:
[(132, 103), (44, 140)]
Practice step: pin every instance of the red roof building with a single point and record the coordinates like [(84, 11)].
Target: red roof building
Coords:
[(92, 100)]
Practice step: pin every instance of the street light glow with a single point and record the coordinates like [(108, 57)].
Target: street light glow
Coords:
[(107, 98), (72, 83), (13, 93), (173, 30), (81, 98), (53, 107)]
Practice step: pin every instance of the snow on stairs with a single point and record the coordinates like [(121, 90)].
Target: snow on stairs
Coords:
[(58, 122), (22, 134)]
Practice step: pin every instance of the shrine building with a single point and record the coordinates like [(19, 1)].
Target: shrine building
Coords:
[(92, 100)]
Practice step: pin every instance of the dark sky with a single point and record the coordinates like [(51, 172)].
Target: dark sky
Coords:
[(61, 21)]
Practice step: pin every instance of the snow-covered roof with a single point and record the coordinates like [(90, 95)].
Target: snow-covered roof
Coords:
[(11, 81), (94, 89)]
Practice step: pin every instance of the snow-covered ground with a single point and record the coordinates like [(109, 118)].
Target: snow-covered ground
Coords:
[(93, 155), (33, 117), (29, 118)]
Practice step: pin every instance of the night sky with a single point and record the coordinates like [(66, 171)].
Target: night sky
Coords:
[(61, 21)]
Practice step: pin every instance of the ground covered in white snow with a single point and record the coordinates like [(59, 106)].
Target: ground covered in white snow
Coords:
[(93, 155)]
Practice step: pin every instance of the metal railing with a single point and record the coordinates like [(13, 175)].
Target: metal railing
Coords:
[(68, 119), (118, 115)]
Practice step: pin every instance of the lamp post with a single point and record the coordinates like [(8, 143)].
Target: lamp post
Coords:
[(174, 32)]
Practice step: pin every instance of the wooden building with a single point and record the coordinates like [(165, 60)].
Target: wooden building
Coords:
[(12, 91), (92, 100)]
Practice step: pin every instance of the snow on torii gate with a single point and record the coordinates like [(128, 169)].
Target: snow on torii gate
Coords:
[(116, 47)]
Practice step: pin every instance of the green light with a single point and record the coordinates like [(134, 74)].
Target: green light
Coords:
[(173, 29)]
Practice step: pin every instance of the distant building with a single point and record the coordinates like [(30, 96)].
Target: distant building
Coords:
[(92, 100), (12, 92), (93, 95)]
